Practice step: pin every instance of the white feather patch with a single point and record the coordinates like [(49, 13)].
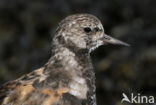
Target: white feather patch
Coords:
[(78, 88)]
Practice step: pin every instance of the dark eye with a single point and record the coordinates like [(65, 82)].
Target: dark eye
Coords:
[(87, 29), (96, 29)]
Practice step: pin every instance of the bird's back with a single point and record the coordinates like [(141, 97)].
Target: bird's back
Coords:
[(26, 91), (36, 88), (22, 90)]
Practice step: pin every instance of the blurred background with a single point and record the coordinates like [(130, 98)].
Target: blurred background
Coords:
[(27, 27)]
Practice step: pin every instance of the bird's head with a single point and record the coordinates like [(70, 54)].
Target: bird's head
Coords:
[(84, 31)]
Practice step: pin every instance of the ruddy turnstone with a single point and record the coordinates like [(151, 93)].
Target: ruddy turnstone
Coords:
[(68, 77)]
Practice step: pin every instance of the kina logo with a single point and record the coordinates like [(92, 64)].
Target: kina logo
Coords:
[(137, 98)]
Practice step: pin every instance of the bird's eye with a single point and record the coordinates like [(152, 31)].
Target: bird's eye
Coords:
[(87, 29), (96, 29)]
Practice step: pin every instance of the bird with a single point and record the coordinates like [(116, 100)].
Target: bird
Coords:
[(68, 77)]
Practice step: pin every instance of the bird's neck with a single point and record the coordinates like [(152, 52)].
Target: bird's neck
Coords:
[(77, 64), (72, 57)]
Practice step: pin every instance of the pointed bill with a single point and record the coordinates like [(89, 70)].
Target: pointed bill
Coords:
[(110, 40)]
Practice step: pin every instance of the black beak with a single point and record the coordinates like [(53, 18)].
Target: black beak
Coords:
[(110, 40)]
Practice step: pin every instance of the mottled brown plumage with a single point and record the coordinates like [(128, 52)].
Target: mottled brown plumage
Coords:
[(68, 77)]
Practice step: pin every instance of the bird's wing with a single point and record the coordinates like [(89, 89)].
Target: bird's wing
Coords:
[(36, 88), (24, 92)]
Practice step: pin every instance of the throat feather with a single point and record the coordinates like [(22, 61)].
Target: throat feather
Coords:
[(78, 85)]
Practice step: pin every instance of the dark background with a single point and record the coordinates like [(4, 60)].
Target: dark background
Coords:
[(27, 26)]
